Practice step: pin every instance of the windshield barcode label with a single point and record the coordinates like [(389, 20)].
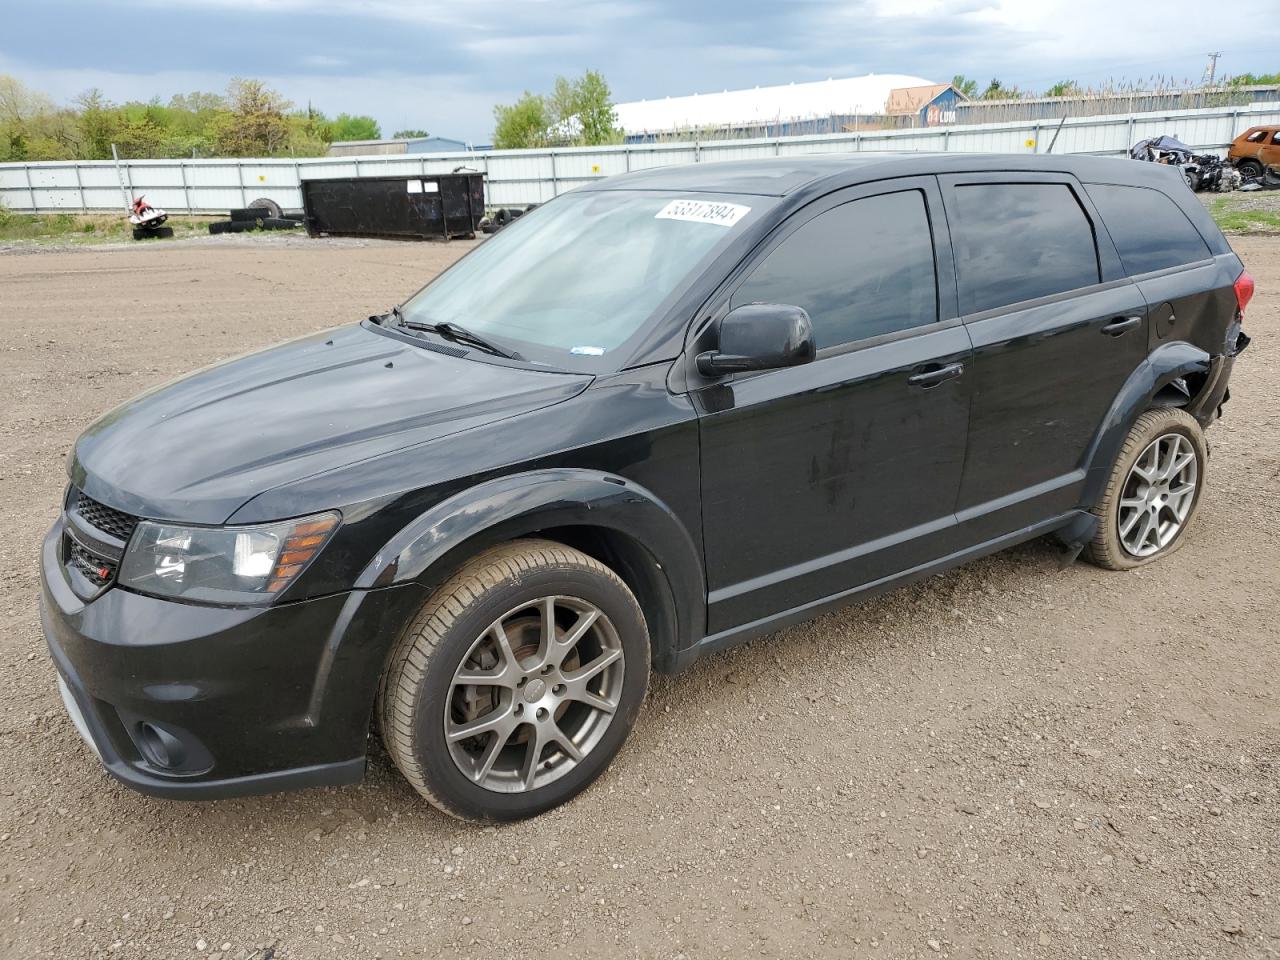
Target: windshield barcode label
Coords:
[(703, 211)]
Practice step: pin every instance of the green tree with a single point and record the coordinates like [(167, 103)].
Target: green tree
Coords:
[(98, 120), (24, 116), (998, 91), (966, 86), (578, 112), (1254, 80), (525, 123), (255, 124), (348, 127), (591, 105), (1064, 88), (198, 102), (410, 134)]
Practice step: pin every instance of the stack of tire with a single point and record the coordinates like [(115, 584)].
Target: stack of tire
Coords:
[(262, 214), (503, 216)]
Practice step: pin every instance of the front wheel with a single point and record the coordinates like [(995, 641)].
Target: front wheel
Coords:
[(1154, 491), (1249, 169), (517, 682)]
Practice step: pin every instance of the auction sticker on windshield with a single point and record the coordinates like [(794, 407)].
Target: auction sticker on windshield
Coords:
[(703, 211)]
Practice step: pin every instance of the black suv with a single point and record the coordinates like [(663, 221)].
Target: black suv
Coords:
[(656, 417)]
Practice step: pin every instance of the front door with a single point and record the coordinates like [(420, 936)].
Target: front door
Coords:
[(821, 478)]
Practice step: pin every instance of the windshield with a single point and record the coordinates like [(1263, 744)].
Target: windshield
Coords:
[(570, 283)]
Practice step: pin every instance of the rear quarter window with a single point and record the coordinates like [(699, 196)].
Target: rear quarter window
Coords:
[(1149, 230), (1021, 241)]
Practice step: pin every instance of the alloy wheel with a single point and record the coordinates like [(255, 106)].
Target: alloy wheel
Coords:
[(1158, 495), (534, 694)]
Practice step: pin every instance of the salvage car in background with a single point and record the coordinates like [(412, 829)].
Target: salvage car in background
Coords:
[(658, 416), (1202, 171), (1255, 150)]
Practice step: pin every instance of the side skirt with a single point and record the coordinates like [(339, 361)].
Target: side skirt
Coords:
[(808, 611)]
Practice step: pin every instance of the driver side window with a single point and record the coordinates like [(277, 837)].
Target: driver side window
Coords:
[(862, 269)]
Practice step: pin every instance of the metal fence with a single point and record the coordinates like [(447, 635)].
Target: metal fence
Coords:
[(518, 177)]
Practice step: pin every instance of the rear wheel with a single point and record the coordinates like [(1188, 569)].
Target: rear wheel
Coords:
[(516, 683), (1154, 491)]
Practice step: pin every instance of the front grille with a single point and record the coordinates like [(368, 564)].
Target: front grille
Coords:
[(110, 521), (96, 570)]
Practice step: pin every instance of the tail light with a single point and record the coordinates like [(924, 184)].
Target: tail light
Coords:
[(1244, 290)]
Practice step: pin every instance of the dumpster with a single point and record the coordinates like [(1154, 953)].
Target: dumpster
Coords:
[(436, 206)]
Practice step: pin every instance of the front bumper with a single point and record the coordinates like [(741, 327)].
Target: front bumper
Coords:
[(191, 701)]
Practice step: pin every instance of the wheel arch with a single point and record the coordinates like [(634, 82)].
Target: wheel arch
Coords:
[(1174, 374), (607, 517)]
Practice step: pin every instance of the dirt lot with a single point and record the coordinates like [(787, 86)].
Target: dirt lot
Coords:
[(1010, 760)]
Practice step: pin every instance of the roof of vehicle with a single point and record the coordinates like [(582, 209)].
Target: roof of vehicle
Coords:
[(781, 176)]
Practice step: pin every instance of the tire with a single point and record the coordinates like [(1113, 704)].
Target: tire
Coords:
[(1118, 545), (266, 203), (275, 223), (1193, 179), (158, 233), (1249, 169), (491, 776)]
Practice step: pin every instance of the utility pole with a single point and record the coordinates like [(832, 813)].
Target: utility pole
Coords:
[(1213, 66)]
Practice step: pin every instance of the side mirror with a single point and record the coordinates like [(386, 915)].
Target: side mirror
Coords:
[(760, 336)]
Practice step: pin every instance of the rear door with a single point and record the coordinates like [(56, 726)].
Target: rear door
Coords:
[(1057, 329), (1169, 261)]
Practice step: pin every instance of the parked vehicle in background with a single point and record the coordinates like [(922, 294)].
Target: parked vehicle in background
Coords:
[(1255, 150), (148, 221), (657, 416)]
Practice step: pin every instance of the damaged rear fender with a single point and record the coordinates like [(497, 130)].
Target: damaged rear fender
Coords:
[(1172, 365)]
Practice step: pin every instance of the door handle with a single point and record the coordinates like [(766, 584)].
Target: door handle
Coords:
[(1120, 325), (934, 375)]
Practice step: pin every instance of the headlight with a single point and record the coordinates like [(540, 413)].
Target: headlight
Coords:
[(223, 564)]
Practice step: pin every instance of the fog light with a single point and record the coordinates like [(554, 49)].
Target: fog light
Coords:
[(162, 749)]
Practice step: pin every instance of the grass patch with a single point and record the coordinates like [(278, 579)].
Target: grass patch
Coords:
[(1247, 212), (76, 228)]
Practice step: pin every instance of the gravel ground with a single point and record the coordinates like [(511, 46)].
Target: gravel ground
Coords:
[(1008, 760)]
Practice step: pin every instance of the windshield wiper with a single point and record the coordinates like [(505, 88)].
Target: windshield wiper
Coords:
[(456, 333)]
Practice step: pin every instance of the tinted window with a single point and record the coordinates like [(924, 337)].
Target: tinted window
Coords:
[(1256, 137), (1149, 230), (860, 270), (1019, 241)]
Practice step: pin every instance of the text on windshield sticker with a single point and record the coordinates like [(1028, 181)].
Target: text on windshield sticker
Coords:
[(703, 211)]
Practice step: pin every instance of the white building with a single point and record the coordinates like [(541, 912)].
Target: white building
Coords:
[(760, 106)]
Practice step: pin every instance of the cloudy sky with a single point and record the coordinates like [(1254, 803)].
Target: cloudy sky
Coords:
[(443, 65)]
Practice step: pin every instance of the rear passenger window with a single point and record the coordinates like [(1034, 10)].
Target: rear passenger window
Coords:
[(860, 270), (1020, 241), (1149, 230)]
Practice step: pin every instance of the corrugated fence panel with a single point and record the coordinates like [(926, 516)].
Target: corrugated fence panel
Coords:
[(519, 177)]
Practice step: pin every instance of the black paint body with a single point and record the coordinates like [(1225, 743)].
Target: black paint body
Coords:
[(733, 504)]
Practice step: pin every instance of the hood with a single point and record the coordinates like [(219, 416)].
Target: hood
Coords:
[(196, 449)]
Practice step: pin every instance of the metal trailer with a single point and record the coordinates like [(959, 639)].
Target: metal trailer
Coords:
[(442, 206)]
